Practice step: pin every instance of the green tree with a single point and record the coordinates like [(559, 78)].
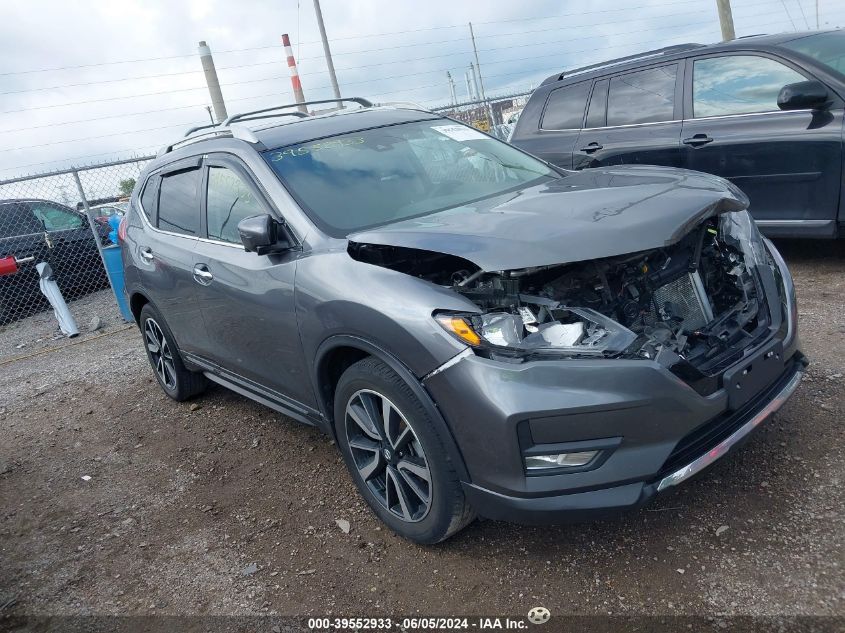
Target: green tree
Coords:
[(126, 186)]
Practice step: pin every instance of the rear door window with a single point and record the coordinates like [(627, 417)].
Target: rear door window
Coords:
[(565, 107), (646, 96), (738, 84), (178, 208)]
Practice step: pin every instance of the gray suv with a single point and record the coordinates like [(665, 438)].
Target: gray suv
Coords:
[(480, 332)]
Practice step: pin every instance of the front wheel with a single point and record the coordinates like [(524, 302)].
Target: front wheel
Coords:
[(395, 456), (173, 377)]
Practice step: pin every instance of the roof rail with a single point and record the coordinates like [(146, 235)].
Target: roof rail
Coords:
[(197, 128), (245, 115), (192, 137), (227, 127), (666, 50), (402, 104)]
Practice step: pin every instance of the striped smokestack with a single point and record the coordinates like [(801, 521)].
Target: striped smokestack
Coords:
[(294, 74)]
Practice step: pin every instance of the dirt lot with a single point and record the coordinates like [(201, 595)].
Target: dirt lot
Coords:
[(225, 507)]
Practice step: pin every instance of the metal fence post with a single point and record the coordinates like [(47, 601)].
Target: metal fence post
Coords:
[(92, 225), (121, 302)]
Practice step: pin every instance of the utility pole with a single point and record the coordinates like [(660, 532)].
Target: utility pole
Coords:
[(726, 20), (213, 84), (327, 51), (210, 116), (817, 14), (469, 87), (451, 87), (298, 95), (474, 80), (480, 79)]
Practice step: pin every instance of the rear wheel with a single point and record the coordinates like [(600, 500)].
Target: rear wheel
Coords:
[(173, 377), (395, 456)]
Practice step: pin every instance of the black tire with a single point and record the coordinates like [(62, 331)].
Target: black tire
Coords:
[(173, 377), (415, 455)]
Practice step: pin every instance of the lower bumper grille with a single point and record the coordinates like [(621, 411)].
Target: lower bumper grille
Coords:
[(712, 433)]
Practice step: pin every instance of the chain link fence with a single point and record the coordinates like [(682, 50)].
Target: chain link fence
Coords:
[(67, 220), (495, 115)]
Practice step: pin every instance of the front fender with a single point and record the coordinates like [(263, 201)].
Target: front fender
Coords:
[(339, 296), (440, 426)]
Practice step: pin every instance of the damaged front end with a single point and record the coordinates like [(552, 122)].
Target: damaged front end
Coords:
[(692, 306)]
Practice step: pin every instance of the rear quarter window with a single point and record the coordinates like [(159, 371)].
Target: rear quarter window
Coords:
[(148, 198)]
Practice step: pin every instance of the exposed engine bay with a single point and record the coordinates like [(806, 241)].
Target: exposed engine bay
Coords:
[(694, 303)]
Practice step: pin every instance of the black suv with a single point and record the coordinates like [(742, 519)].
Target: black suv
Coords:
[(34, 231), (765, 112), (480, 332)]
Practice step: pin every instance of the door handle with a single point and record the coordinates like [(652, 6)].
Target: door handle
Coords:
[(698, 140), (202, 275), (146, 254), (592, 147)]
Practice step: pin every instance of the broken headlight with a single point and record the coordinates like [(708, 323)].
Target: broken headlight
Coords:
[(561, 330), (741, 228)]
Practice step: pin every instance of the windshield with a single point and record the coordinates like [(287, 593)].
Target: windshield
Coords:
[(363, 179), (827, 48)]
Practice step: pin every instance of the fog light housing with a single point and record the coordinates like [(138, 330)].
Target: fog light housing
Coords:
[(538, 463)]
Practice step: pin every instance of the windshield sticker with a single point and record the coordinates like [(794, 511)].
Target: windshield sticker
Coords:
[(459, 132), (335, 143)]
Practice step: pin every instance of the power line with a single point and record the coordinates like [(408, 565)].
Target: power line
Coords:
[(90, 138), (417, 88), (357, 37), (803, 15), (355, 52), (277, 77), (783, 2), (439, 70), (371, 80)]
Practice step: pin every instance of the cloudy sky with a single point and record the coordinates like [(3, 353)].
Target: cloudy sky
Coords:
[(88, 81)]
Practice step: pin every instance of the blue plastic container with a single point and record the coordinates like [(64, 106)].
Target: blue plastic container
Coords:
[(114, 269), (114, 223)]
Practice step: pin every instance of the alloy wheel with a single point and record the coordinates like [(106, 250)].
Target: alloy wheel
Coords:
[(160, 353), (388, 455)]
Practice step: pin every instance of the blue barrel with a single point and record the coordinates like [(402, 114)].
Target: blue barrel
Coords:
[(114, 223), (114, 269)]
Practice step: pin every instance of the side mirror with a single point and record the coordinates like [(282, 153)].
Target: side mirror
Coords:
[(804, 95), (262, 234)]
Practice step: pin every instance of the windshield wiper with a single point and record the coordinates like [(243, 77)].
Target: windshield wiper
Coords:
[(509, 166)]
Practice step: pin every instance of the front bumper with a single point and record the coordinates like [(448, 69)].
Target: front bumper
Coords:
[(599, 503), (660, 430)]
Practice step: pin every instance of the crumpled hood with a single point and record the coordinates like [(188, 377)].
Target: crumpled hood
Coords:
[(585, 215)]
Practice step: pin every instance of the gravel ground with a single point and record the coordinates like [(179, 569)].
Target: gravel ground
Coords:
[(41, 332), (222, 506)]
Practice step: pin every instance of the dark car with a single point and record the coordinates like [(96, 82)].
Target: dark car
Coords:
[(764, 112), (479, 332), (34, 231)]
